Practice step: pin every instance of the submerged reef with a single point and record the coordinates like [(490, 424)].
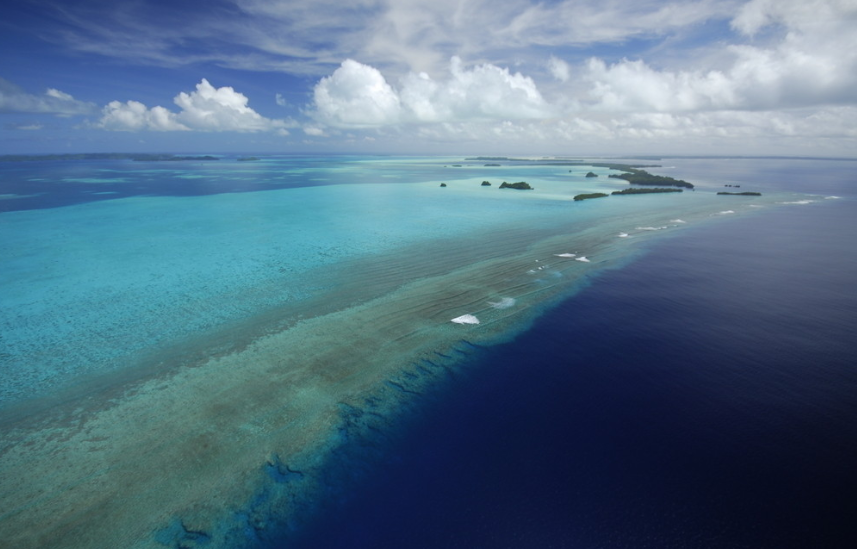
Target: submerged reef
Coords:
[(520, 185), (137, 157)]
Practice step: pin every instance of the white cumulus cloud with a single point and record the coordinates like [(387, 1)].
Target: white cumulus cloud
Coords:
[(358, 95), (206, 109)]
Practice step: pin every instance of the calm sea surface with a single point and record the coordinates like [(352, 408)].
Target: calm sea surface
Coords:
[(693, 385)]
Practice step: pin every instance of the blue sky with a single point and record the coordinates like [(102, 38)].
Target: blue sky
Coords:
[(577, 77)]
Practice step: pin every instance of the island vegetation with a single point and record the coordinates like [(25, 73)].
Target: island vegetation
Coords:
[(649, 190), (443, 184), (492, 165), (587, 196), (745, 193), (636, 176), (591, 174), (486, 183), (521, 185)]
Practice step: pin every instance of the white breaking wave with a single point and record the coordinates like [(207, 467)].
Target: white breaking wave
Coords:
[(466, 319), (832, 197), (677, 221), (652, 228), (623, 235), (799, 202), (726, 212), (582, 258), (565, 255), (504, 303)]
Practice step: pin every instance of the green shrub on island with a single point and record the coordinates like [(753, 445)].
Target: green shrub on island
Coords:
[(647, 191), (746, 193), (591, 174), (486, 184), (519, 185), (443, 184), (587, 196)]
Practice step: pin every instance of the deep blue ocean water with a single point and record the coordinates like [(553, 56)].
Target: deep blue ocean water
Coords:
[(704, 396)]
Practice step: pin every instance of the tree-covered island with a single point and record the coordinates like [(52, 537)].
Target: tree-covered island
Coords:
[(587, 196), (521, 185), (650, 190), (636, 176)]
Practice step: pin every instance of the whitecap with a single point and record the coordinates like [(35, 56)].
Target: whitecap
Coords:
[(832, 197), (565, 255), (582, 258), (726, 212), (623, 235), (677, 221), (651, 228), (466, 319), (801, 202), (504, 303)]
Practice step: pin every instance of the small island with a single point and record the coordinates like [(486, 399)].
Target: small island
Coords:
[(642, 177), (591, 174), (443, 184), (647, 191), (521, 185), (486, 184), (492, 165), (745, 193), (248, 158), (587, 196)]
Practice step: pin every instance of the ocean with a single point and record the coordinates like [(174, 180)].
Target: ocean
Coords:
[(260, 354)]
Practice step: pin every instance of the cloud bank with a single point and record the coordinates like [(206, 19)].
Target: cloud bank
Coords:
[(13, 99)]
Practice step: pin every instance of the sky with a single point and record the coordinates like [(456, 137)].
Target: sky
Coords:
[(495, 77)]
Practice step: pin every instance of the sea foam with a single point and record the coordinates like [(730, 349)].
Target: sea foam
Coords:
[(504, 303), (466, 319), (565, 255)]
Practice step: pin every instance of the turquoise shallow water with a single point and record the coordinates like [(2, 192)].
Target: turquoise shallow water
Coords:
[(92, 285)]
